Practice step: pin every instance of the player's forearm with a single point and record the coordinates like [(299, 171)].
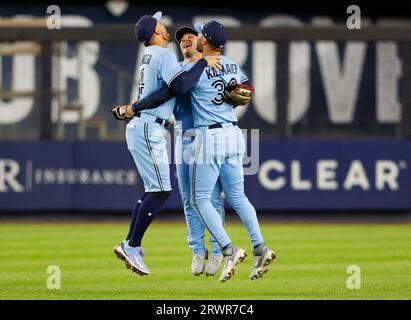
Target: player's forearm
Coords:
[(154, 99), (188, 79)]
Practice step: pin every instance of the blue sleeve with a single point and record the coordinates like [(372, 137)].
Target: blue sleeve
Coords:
[(179, 85), (168, 67), (154, 99), (186, 80)]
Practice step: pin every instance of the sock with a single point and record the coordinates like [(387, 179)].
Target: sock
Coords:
[(135, 213), (225, 247), (148, 210), (255, 247)]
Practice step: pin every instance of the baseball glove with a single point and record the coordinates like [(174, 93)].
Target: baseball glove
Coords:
[(238, 94), (120, 113)]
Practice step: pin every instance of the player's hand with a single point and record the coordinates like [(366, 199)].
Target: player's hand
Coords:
[(213, 62), (124, 112)]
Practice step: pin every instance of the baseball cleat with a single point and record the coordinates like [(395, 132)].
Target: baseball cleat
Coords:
[(213, 265), (232, 257), (198, 263), (263, 257), (134, 257), (119, 252)]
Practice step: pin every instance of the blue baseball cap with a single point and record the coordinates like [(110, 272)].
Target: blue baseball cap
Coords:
[(145, 27), (182, 31), (213, 31)]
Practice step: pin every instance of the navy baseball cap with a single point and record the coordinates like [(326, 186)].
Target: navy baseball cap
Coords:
[(213, 31), (182, 31), (145, 26)]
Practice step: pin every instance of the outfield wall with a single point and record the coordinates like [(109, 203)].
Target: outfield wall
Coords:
[(288, 175)]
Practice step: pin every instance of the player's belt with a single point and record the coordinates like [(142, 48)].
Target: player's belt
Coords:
[(220, 125), (163, 122)]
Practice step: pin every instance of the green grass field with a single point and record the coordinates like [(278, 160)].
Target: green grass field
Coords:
[(312, 263)]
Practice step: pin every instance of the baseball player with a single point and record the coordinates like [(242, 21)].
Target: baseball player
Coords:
[(187, 39), (145, 132), (218, 152)]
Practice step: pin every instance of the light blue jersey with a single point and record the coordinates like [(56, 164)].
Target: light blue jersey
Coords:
[(159, 67), (218, 153), (207, 95), (183, 111), (146, 139)]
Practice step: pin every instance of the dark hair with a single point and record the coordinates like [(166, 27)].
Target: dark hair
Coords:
[(214, 47)]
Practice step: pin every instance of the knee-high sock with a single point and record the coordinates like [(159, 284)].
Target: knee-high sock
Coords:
[(148, 210), (135, 214)]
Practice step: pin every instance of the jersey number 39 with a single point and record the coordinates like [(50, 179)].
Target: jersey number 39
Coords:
[(220, 86)]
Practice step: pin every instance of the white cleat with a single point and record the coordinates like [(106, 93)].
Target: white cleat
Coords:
[(263, 257), (119, 252), (198, 263), (135, 260), (232, 257), (213, 265)]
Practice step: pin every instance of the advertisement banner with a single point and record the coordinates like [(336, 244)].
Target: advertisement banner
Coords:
[(291, 175), (330, 175)]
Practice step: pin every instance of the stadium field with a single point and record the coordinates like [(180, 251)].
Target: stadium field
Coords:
[(312, 262)]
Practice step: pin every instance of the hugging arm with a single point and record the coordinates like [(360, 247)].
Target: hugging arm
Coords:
[(179, 85)]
